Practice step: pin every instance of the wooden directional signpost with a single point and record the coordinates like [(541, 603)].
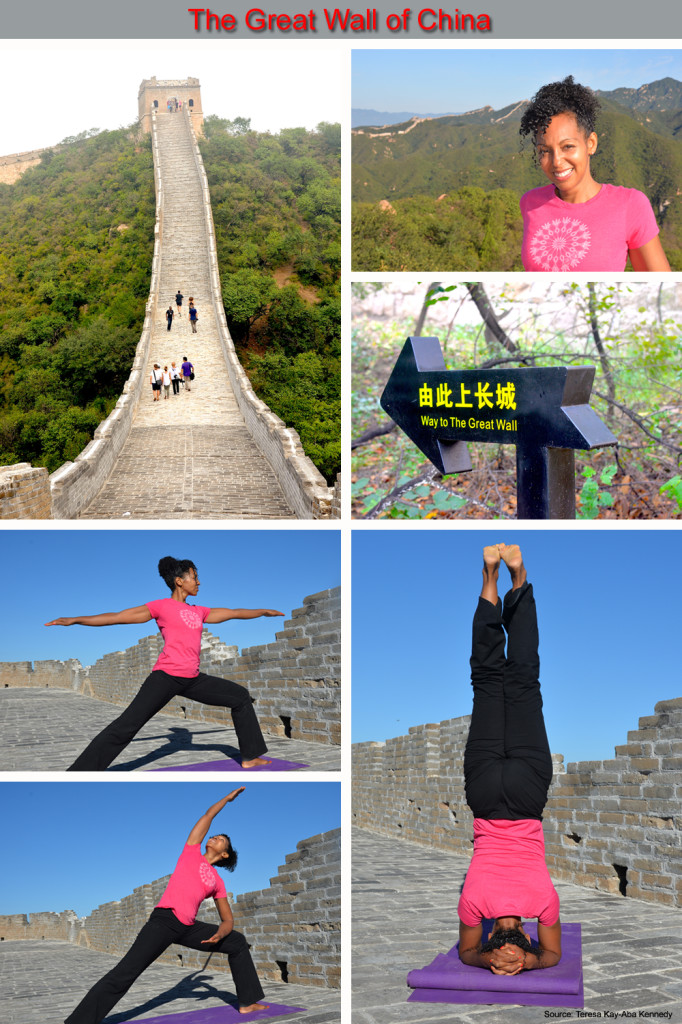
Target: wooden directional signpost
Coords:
[(544, 411)]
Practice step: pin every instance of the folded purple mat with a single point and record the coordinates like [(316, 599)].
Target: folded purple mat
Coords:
[(219, 1015), (448, 980), (229, 765)]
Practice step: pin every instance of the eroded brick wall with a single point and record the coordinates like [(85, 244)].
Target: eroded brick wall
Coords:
[(295, 679), (293, 926), (614, 825)]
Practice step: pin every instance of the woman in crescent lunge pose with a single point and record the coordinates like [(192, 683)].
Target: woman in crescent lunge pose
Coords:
[(507, 772), (176, 670), (173, 921)]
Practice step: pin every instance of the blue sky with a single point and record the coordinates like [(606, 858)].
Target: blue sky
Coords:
[(455, 80), (93, 842), (53, 573), (608, 614)]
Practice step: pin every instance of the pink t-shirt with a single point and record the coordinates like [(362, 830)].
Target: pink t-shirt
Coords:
[(595, 235), (181, 625), (193, 881), (508, 875)]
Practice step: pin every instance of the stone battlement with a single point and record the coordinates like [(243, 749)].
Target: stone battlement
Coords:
[(614, 825), (295, 679), (294, 925)]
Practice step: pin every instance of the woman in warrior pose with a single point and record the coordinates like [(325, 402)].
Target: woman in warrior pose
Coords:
[(576, 223), (176, 670), (507, 772), (173, 921)]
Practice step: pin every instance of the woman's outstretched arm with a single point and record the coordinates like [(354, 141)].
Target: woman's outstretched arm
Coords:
[(128, 617), (200, 830), (223, 614)]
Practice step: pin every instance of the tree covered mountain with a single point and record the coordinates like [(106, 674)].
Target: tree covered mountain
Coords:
[(76, 247), (639, 147)]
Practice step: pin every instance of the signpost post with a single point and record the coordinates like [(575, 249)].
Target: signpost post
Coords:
[(544, 411)]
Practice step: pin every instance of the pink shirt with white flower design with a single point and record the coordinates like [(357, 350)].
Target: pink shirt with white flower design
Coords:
[(192, 882), (181, 625), (595, 235)]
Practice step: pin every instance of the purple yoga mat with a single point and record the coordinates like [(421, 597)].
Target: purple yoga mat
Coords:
[(448, 980), (219, 1015), (228, 765)]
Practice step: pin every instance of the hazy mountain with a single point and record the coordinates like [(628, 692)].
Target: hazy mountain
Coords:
[(361, 117)]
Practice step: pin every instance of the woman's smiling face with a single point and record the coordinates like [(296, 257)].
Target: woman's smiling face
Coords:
[(564, 153)]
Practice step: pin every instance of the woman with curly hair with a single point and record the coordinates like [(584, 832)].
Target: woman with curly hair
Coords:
[(576, 223), (176, 670), (194, 880), (507, 772)]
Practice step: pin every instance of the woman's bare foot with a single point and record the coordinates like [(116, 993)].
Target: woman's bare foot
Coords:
[(512, 558), (491, 570), (256, 762), (254, 1007)]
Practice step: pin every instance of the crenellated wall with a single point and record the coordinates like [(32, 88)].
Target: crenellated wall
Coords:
[(295, 679), (293, 926), (614, 825), (302, 483)]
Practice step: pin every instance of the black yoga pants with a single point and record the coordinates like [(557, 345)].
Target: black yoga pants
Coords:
[(161, 930), (155, 692), (507, 762)]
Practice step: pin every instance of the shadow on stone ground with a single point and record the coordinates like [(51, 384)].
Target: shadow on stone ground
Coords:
[(45, 730), (405, 912), (42, 982)]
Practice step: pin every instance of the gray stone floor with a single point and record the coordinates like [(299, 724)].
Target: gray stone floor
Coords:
[(405, 912), (45, 730), (41, 983)]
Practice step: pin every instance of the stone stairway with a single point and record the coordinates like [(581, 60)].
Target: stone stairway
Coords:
[(190, 456)]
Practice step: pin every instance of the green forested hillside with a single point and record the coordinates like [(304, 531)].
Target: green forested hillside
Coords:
[(76, 245), (451, 156), (276, 207)]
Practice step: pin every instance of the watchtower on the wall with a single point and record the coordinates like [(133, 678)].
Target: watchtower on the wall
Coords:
[(156, 92)]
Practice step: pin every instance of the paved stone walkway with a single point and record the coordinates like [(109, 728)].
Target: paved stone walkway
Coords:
[(405, 912), (45, 730), (189, 456), (42, 982)]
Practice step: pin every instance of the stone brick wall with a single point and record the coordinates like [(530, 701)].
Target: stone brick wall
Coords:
[(13, 165), (302, 483), (295, 679), (614, 825), (293, 926), (24, 492)]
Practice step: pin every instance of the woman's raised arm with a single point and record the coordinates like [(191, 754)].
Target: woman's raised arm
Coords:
[(128, 617), (200, 830)]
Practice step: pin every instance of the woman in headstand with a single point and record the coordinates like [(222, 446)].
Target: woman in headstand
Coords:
[(507, 772), (176, 670), (575, 223), (173, 921)]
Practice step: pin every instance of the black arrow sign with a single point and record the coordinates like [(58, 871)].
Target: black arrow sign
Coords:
[(537, 409)]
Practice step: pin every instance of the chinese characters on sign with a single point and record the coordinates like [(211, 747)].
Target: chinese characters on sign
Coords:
[(504, 396)]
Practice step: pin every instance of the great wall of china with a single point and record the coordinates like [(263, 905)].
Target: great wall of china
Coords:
[(294, 925), (232, 456), (613, 825)]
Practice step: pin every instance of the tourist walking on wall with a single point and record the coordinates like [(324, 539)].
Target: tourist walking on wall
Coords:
[(178, 300), (169, 317), (175, 379), (166, 382), (176, 670), (173, 920), (507, 772), (193, 316), (187, 372), (155, 381)]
